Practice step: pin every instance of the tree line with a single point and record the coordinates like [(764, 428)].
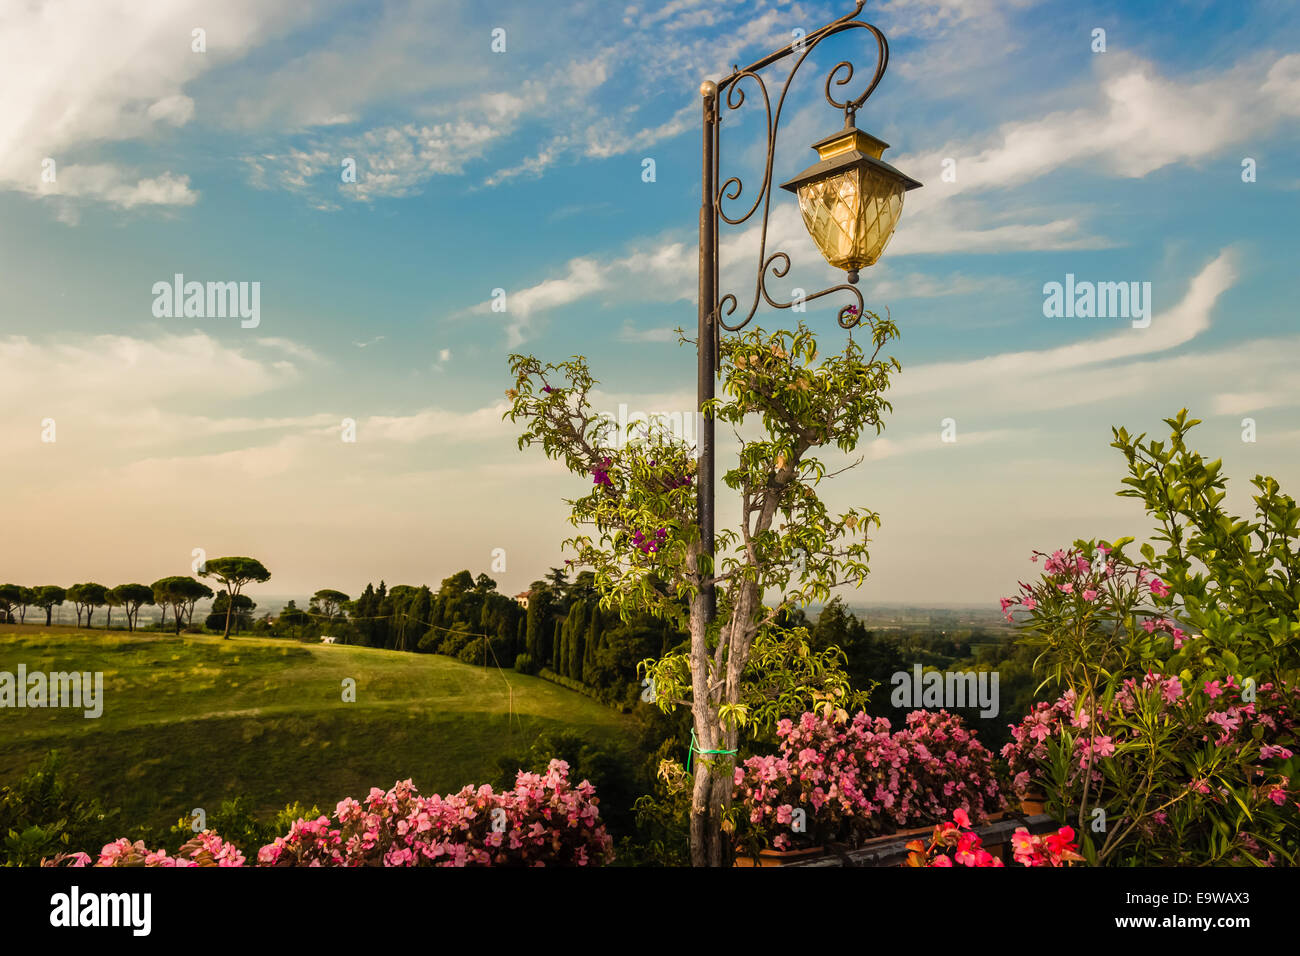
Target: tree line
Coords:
[(177, 593)]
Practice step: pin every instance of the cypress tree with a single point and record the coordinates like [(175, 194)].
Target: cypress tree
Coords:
[(578, 617), (594, 634), (533, 630)]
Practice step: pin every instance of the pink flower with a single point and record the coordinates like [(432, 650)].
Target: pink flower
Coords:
[(1171, 690)]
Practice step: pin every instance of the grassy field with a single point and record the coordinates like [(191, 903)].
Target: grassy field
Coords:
[(190, 721)]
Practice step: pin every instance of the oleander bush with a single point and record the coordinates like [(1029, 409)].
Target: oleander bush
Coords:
[(1173, 739), (854, 778), (543, 821)]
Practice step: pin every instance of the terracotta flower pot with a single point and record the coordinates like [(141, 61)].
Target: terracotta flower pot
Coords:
[(1033, 803), (772, 857), (914, 832)]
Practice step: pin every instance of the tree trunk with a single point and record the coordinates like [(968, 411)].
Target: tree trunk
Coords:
[(712, 784), (230, 606), (49, 613)]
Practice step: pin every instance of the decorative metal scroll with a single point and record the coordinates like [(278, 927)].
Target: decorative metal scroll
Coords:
[(778, 263)]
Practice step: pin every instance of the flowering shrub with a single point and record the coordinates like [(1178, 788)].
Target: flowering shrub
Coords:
[(1175, 738), (854, 778), (1054, 849), (1092, 612), (1185, 774), (949, 768), (205, 849), (542, 821)]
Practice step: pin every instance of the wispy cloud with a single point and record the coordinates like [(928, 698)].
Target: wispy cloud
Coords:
[(1170, 327), (80, 75)]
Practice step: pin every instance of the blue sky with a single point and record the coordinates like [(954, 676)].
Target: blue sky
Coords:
[(522, 170)]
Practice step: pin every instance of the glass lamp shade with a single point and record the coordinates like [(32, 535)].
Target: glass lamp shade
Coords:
[(851, 200)]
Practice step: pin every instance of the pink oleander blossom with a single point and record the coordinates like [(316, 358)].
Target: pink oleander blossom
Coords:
[(544, 821), (857, 777)]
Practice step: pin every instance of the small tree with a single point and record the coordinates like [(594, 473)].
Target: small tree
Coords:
[(161, 590), (292, 617), (233, 573), (328, 603), (644, 543), (132, 597), (10, 597), (27, 598), (48, 596), (242, 618), (192, 592), (180, 593), (112, 599), (87, 597)]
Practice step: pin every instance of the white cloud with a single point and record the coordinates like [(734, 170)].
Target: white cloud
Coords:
[(1170, 327), (111, 370), (483, 424), (1141, 122), (886, 447), (631, 333), (78, 75)]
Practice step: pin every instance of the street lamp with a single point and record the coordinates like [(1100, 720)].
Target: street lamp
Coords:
[(850, 201)]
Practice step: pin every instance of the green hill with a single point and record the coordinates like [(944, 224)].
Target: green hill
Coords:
[(190, 721)]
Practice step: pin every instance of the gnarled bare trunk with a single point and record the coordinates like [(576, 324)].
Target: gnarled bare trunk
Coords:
[(706, 824)]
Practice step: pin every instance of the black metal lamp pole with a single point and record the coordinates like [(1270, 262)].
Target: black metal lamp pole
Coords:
[(707, 344), (850, 202)]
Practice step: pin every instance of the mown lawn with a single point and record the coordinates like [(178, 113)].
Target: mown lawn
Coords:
[(190, 721)]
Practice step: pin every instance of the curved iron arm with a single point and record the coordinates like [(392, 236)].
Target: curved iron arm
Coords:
[(778, 263)]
